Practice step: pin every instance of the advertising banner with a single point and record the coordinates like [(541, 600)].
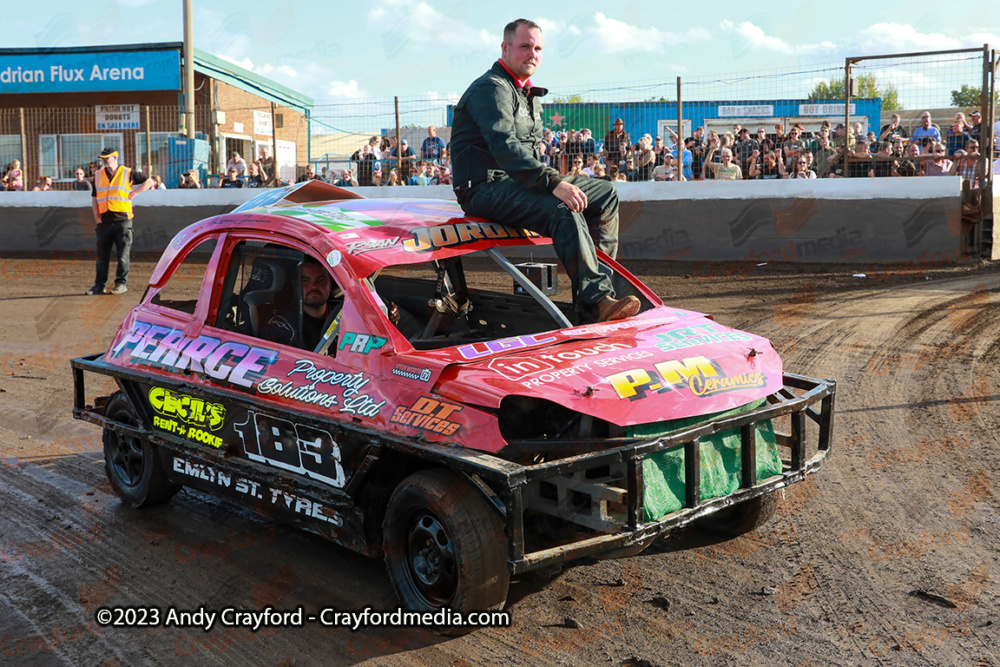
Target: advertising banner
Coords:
[(90, 72)]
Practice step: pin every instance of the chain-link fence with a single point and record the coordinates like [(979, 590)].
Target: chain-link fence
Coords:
[(789, 113)]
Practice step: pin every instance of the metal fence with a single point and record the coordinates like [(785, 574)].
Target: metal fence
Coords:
[(862, 94)]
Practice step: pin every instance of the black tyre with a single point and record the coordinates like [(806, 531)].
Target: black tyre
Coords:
[(742, 518), (131, 462), (444, 545)]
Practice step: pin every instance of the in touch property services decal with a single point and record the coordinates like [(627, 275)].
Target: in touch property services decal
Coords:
[(75, 72)]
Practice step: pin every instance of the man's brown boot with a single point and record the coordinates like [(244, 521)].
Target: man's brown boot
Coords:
[(608, 309)]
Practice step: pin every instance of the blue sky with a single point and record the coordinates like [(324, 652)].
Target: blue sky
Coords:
[(336, 51)]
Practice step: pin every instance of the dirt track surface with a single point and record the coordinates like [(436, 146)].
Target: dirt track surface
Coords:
[(888, 556)]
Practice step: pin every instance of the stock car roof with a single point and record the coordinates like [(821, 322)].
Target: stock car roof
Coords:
[(364, 234)]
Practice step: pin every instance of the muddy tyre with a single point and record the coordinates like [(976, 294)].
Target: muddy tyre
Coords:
[(132, 463), (742, 518), (444, 545)]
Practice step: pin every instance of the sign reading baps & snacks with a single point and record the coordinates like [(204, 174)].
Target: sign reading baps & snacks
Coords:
[(90, 72)]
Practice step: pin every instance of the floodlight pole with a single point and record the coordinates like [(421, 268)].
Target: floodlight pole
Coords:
[(188, 70)]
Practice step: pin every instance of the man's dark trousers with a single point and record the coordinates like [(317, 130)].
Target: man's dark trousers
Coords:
[(118, 235), (505, 201)]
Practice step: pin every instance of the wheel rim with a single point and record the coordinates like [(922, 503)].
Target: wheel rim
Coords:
[(431, 561), (127, 457)]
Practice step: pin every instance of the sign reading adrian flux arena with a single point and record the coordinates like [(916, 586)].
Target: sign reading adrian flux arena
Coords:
[(90, 72)]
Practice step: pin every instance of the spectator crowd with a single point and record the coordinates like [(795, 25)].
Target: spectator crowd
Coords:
[(744, 153)]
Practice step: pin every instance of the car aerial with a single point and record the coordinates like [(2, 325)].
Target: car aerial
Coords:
[(448, 409)]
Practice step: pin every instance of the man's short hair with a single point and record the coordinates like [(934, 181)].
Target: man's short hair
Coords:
[(511, 28)]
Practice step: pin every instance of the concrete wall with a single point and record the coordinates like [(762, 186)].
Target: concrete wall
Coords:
[(857, 220)]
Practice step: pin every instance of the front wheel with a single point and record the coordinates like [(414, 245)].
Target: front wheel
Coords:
[(131, 462), (743, 517), (445, 547)]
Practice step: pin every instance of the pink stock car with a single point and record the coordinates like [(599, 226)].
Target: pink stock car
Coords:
[(447, 415)]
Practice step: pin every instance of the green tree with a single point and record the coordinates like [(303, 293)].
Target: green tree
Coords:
[(867, 87), (569, 99), (968, 96)]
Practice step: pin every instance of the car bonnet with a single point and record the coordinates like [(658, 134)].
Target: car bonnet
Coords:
[(664, 364)]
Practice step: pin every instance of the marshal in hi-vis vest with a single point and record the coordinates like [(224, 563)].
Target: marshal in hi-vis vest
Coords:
[(113, 195)]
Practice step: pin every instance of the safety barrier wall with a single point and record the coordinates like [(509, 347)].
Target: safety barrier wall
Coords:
[(848, 220)]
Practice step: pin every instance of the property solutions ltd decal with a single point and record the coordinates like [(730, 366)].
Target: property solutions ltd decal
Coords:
[(74, 72)]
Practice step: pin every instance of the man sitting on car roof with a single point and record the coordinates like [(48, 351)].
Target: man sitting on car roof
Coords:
[(496, 131)]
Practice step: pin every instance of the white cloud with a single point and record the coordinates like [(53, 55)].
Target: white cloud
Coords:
[(245, 63), (418, 23), (344, 89), (755, 38), (603, 35)]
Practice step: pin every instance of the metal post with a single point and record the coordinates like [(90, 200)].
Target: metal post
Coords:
[(847, 109), (24, 151), (149, 146), (188, 70), (399, 144), (680, 134), (274, 140), (985, 152)]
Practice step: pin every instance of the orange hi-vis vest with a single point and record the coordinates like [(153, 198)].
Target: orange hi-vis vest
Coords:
[(113, 195)]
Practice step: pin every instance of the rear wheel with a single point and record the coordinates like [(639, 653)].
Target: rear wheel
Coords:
[(131, 462), (742, 518), (444, 545)]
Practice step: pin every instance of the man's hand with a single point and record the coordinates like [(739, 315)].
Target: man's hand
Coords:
[(571, 195)]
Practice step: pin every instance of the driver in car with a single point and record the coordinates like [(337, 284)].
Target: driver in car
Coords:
[(317, 287)]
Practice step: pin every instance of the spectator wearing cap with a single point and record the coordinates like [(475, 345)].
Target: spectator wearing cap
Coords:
[(926, 129), (892, 130), (113, 189), (844, 142), (665, 171), (975, 121), (232, 180), (405, 157), (237, 163), (616, 142)]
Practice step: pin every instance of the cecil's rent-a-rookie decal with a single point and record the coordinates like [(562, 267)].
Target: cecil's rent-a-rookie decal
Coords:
[(701, 375), (187, 416)]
